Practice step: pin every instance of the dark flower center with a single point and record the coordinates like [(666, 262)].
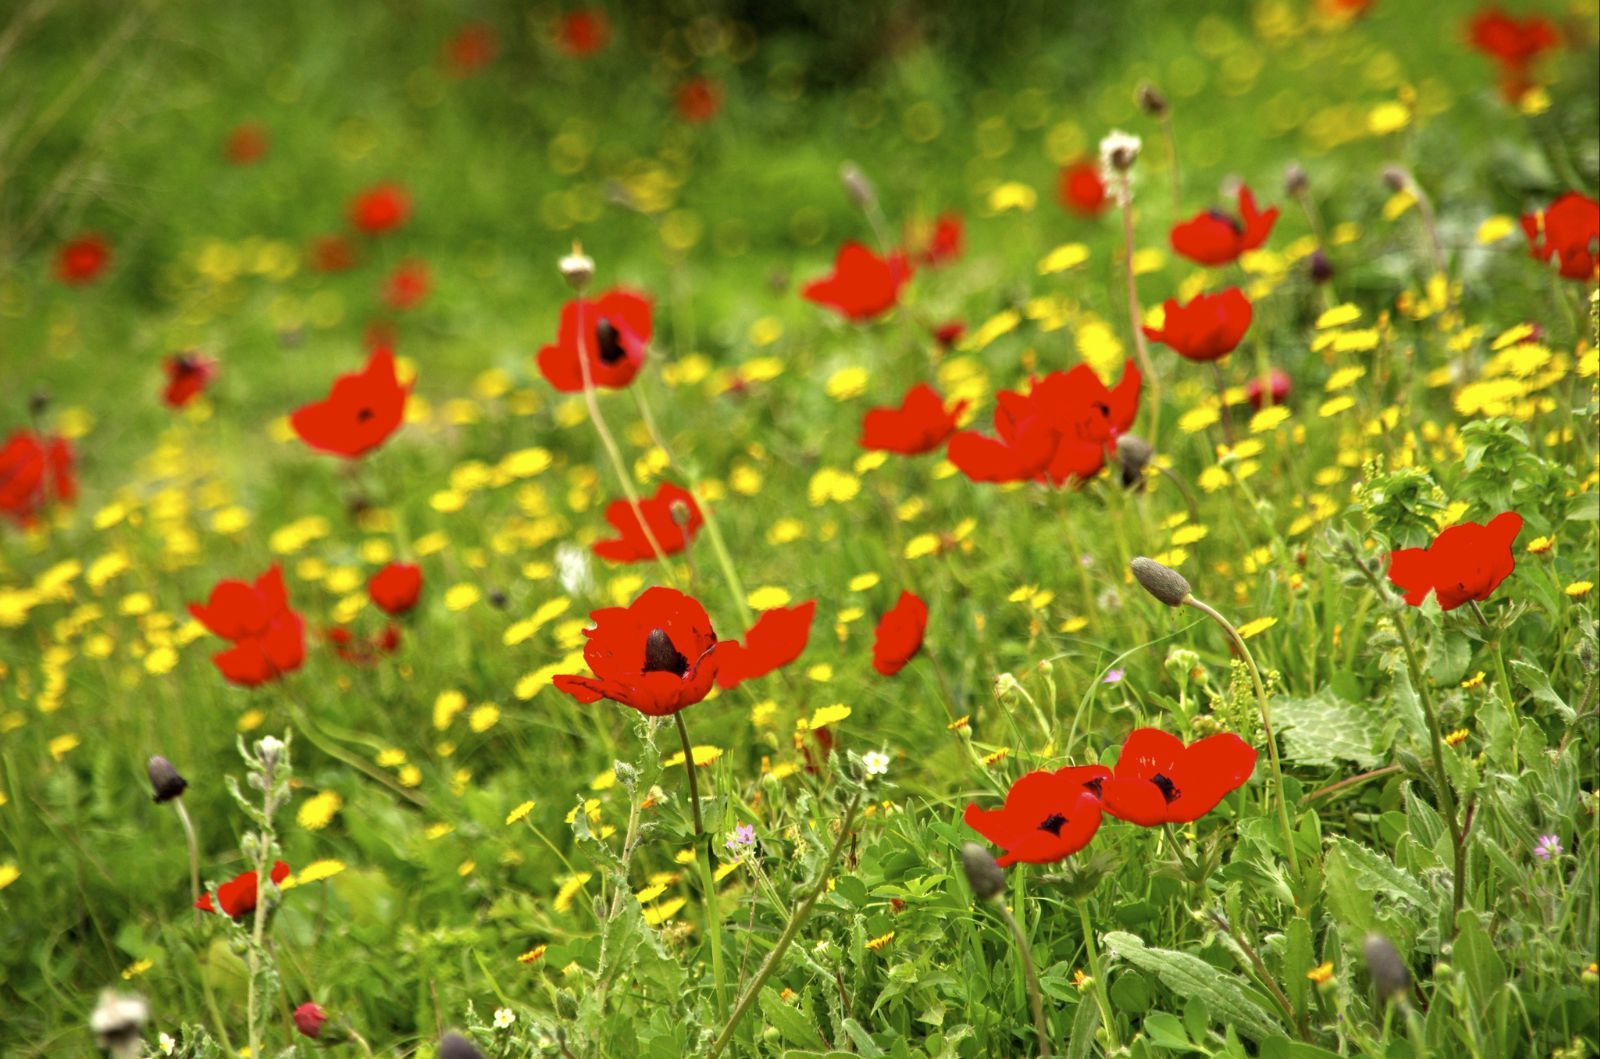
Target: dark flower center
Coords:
[(364, 414), (1231, 222), (1094, 785), (610, 343), (661, 657), (1053, 824), (1169, 790)]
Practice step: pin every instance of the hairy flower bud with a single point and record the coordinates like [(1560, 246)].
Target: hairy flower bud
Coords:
[(1162, 582), (1295, 180), (164, 779), (1388, 970), (1321, 267), (454, 1046), (984, 875), (1151, 101), (1395, 178), (576, 268), (1133, 456)]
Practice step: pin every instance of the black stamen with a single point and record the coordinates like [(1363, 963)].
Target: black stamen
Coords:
[(1094, 785), (610, 343), (660, 656), (1053, 824), (1231, 222), (1169, 790), (364, 414)]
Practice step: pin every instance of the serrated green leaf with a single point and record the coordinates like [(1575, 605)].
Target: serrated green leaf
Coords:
[(790, 1022), (1377, 874)]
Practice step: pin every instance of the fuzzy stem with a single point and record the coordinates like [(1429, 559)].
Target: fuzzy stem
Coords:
[(194, 854), (708, 881), (1136, 322), (1035, 999), (1504, 681), (1101, 996)]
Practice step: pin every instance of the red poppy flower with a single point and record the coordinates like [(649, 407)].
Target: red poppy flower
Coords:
[(362, 651), (1466, 562), (1274, 389), (632, 546), (1158, 780), (1216, 238), (1569, 231), (308, 1019), (238, 896), (470, 50), (921, 423), (396, 587), (407, 286), (1514, 43), (1208, 328), (359, 413), (617, 330), (268, 637), (948, 334), (1047, 816), (653, 655), (331, 253), (583, 33), (188, 375), (1060, 430), (863, 285), (778, 637), (381, 208), (1081, 191), (81, 260), (698, 99), (247, 144), (944, 243), (898, 636), (35, 471)]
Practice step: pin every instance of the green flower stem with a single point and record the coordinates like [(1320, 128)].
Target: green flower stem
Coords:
[(1505, 682), (194, 855), (708, 882), (1135, 320), (1101, 995), (1035, 998)]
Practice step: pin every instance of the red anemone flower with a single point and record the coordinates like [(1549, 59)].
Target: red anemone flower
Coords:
[(359, 413), (247, 144), (1217, 238), (1081, 191), (863, 285), (654, 656), (1209, 328), (661, 515), (1567, 230), (470, 50), (949, 333), (616, 331), (81, 260), (921, 423), (1274, 389), (898, 636), (944, 243), (407, 286), (35, 470), (268, 637), (698, 99), (331, 253), (188, 375), (238, 896), (778, 637), (381, 208), (1514, 43), (583, 33), (1059, 431), (396, 587), (1464, 563), (1047, 816), (362, 651), (1157, 780)]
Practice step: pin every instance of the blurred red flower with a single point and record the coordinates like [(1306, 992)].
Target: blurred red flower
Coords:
[(381, 208), (188, 375), (268, 637), (583, 33), (1209, 328), (698, 99), (331, 253), (1465, 562), (949, 333), (653, 655), (778, 637), (921, 423), (407, 286), (1514, 43), (1217, 238), (396, 587), (35, 470), (943, 243), (1567, 230), (1274, 389), (247, 144), (470, 50), (863, 285), (238, 896), (359, 651), (308, 1019), (1047, 816), (632, 545), (898, 637), (81, 260), (1157, 780), (616, 331), (1081, 191), (360, 412)]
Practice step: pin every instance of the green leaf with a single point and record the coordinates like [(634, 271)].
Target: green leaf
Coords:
[(1327, 730), (1167, 1031), (1189, 976), (1081, 1041), (1538, 684), (790, 1022), (1377, 874)]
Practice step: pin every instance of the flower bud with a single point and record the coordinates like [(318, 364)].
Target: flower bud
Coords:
[(454, 1046), (269, 749), (164, 779), (1321, 267), (681, 514), (1151, 101), (1295, 180), (308, 1019), (1162, 582), (38, 402), (1388, 970), (1396, 178), (984, 875), (1119, 150), (1133, 456), (856, 185), (577, 269)]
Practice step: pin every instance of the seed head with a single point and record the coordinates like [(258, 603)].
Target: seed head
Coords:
[(577, 269), (164, 779), (1388, 970), (1162, 582), (985, 877)]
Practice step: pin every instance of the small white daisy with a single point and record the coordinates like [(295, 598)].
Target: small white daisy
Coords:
[(876, 761)]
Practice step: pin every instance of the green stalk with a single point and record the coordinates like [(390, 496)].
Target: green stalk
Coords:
[(708, 882), (1504, 681), (1101, 996), (1035, 998)]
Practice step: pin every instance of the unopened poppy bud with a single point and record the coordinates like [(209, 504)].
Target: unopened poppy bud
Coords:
[(1133, 456), (1321, 267), (1295, 180), (454, 1046), (1151, 101), (498, 598), (164, 779), (38, 402), (984, 874), (1388, 970), (680, 513), (576, 268), (1161, 581), (308, 1018), (856, 185), (1396, 178)]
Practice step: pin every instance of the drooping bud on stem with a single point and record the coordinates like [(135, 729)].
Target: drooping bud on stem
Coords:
[(1295, 180), (1389, 975), (576, 268), (984, 875), (1133, 456), (454, 1046), (1396, 178), (1161, 581), (164, 779)]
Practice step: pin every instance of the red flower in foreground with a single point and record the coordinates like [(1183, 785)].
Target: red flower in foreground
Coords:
[(921, 423), (1047, 816), (35, 470), (778, 637), (247, 144), (238, 896), (698, 100), (188, 375), (359, 413), (1158, 780), (268, 637), (863, 285), (396, 587), (898, 636), (381, 208), (331, 253), (653, 656), (616, 331), (81, 260), (1081, 191), (1060, 430), (944, 243), (1216, 238), (470, 50), (1514, 43), (1274, 389), (308, 1019), (1466, 562), (1567, 230), (661, 515), (583, 33), (407, 286), (1208, 328)]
